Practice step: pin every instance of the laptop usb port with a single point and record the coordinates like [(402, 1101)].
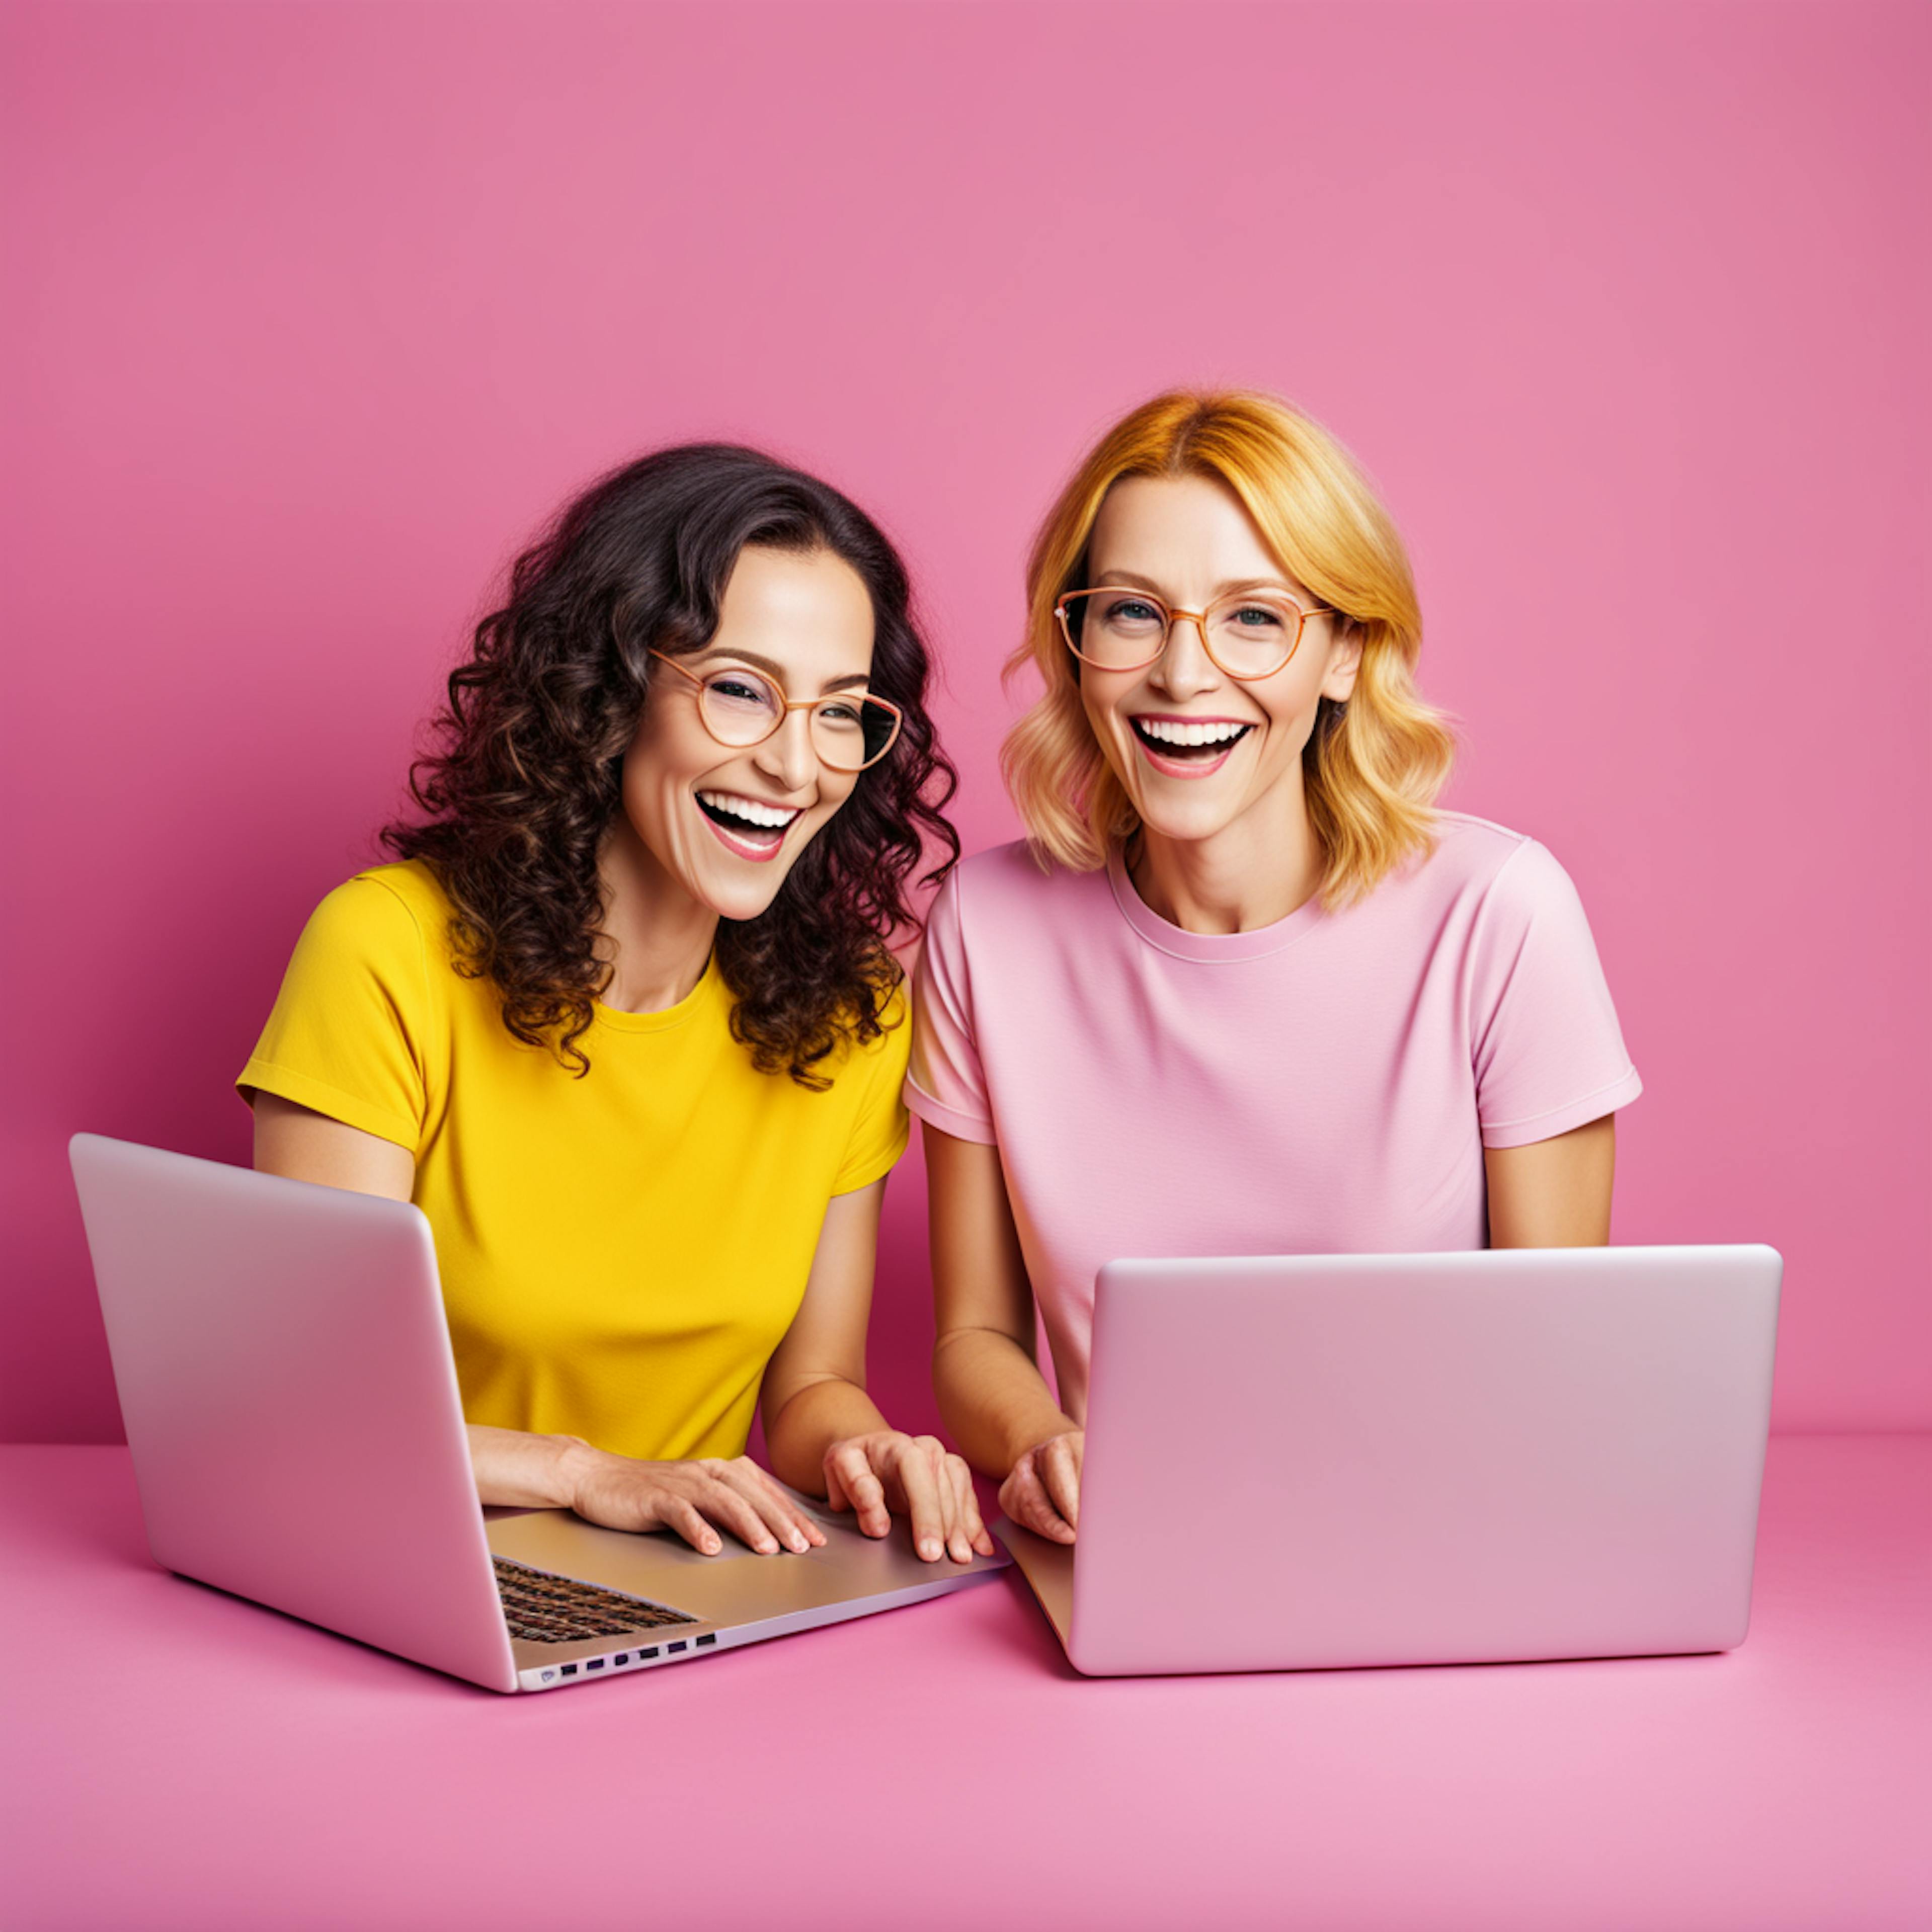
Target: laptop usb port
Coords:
[(596, 1664), (672, 1649), (645, 1656), (704, 1640), (570, 1670), (622, 1658)]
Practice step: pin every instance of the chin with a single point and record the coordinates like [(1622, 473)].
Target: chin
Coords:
[(1184, 827), (738, 900)]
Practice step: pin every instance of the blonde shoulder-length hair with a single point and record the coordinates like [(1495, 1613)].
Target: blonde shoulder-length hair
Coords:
[(1373, 766)]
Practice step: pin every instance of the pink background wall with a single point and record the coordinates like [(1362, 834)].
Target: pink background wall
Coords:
[(324, 308)]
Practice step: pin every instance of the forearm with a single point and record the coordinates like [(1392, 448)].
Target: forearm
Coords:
[(526, 1471), (994, 1400), (809, 1421)]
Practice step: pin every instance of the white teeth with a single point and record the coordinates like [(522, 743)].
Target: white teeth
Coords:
[(770, 816), (1167, 733)]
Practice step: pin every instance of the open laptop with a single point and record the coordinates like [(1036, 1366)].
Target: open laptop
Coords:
[(291, 1404), (1350, 1460)]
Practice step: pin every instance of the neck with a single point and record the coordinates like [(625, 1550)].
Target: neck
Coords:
[(1250, 874), (655, 936)]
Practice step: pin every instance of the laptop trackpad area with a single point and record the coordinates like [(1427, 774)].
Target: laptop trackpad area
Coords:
[(738, 1586)]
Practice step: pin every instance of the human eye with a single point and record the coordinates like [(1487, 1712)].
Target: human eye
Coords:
[(1255, 617), (739, 690), (842, 712), (1129, 612)]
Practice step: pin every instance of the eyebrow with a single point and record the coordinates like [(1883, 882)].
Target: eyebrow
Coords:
[(1131, 580), (775, 672)]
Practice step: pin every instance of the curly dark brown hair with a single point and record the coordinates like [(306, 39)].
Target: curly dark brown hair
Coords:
[(526, 777)]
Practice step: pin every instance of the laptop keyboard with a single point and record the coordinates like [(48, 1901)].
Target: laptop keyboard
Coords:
[(544, 1609)]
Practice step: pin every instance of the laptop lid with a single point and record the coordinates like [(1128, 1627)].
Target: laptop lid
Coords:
[(290, 1401), (1330, 1460)]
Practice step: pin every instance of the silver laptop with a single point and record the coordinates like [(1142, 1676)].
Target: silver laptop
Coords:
[(291, 1404), (1337, 1460)]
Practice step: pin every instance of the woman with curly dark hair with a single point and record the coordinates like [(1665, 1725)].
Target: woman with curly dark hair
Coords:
[(621, 1019)]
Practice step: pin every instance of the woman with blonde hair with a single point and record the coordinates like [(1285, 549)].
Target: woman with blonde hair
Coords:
[(1243, 989)]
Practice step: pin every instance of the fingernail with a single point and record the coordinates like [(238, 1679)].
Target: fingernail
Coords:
[(798, 1542), (766, 1547), (711, 1546), (929, 1549)]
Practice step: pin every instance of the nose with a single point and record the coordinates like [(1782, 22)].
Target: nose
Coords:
[(786, 757), (1183, 668)]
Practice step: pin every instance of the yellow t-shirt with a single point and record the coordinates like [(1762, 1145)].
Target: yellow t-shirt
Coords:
[(620, 1254)]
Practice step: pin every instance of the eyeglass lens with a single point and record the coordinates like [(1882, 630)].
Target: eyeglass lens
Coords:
[(848, 732), (1250, 635)]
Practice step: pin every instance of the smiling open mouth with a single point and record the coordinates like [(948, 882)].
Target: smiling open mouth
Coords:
[(746, 822), (1190, 744)]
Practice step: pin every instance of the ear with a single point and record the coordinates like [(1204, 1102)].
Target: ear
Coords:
[(1345, 661)]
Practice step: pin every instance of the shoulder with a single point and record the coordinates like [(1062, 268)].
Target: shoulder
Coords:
[(397, 896), (1502, 896), (1476, 858), (408, 888), (389, 915), (1014, 884), (1018, 866)]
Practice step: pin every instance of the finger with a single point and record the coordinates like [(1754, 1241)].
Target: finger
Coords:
[(1060, 1476), (1024, 1499), (1012, 1491), (814, 1537), (924, 1510), (783, 1516), (730, 1510), (981, 1536), (956, 1485), (836, 1496), (939, 1462), (862, 1487), (946, 1492), (679, 1513), (964, 1517), (972, 1529), (797, 1517)]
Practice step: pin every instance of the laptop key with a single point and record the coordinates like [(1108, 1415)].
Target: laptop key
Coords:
[(540, 1608)]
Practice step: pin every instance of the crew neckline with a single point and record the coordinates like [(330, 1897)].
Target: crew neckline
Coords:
[(710, 982), (1220, 948)]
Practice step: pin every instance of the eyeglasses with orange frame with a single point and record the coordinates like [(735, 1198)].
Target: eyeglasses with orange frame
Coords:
[(1155, 631), (741, 723)]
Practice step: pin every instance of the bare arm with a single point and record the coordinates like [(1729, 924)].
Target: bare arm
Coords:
[(814, 1386), (308, 1146), (825, 1434), (1554, 1193), (990, 1391)]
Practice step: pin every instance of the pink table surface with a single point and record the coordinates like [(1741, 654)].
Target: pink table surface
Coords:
[(170, 1756)]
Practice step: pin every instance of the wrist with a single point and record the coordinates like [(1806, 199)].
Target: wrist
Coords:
[(811, 1422), (574, 1462), (1040, 1430)]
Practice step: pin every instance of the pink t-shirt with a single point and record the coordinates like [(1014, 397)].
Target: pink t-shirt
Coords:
[(1324, 1085)]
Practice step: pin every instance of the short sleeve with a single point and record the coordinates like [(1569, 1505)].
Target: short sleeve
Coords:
[(945, 1083), (1549, 1055), (879, 1127), (348, 1032)]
